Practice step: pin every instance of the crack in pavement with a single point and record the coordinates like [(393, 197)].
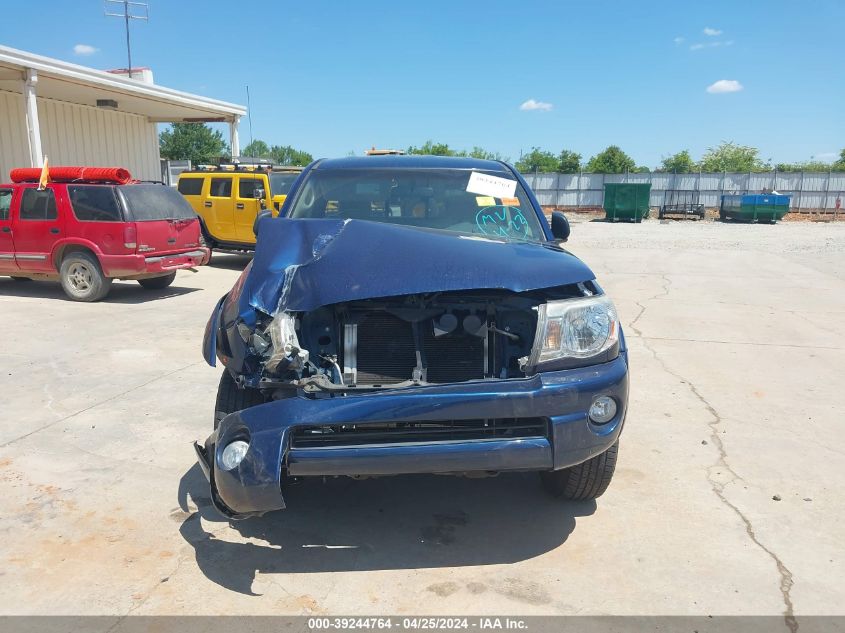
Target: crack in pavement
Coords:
[(747, 343), (97, 404), (181, 559), (785, 575)]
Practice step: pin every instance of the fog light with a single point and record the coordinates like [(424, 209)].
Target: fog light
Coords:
[(233, 454), (603, 410)]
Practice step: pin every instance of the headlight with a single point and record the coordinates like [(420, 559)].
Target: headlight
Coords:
[(575, 328), (233, 454)]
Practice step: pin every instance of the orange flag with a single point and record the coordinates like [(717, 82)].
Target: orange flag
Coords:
[(45, 176)]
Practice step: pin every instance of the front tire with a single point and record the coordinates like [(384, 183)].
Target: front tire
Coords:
[(158, 283), (82, 278), (585, 481), (231, 398)]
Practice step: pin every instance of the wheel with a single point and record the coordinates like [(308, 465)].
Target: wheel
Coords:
[(157, 283), (231, 398), (21, 279), (584, 481), (82, 278)]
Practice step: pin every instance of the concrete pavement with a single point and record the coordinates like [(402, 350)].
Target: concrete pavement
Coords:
[(737, 372)]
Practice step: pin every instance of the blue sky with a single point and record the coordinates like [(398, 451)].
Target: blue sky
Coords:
[(336, 77)]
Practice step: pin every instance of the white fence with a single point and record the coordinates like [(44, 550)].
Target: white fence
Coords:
[(809, 190)]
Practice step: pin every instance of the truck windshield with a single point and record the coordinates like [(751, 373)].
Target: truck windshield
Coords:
[(144, 203), (465, 201)]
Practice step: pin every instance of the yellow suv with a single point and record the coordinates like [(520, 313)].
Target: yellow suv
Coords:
[(224, 199)]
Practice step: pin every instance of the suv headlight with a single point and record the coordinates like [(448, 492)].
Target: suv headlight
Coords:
[(574, 328)]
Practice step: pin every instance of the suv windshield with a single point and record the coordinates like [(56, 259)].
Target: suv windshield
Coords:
[(459, 200), (280, 182), (154, 202)]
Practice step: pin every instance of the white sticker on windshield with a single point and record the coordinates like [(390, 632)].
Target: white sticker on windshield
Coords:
[(486, 185)]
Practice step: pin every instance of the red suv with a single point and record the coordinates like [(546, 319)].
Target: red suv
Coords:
[(87, 233)]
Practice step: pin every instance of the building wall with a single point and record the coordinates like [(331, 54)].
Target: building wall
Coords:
[(14, 144), (74, 134)]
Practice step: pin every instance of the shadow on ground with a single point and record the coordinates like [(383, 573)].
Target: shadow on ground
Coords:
[(121, 292), (406, 522), (229, 261)]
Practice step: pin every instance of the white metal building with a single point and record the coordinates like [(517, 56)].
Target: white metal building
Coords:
[(80, 116)]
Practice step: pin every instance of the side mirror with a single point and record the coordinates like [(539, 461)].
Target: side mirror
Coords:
[(261, 216), (258, 193), (560, 226)]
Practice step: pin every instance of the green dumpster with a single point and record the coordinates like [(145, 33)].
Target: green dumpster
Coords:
[(626, 201), (754, 207)]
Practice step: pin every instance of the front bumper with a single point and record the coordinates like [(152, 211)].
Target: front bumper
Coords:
[(562, 397)]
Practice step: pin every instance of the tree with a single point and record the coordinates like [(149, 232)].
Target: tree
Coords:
[(432, 148), (569, 162), (611, 161), (287, 155), (807, 165), (195, 142), (680, 163), (840, 164), (480, 152), (729, 156), (537, 160), (256, 149)]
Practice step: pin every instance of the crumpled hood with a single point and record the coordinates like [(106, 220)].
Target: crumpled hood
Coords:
[(303, 264)]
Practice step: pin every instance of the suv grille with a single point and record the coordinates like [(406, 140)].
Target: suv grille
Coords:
[(338, 435)]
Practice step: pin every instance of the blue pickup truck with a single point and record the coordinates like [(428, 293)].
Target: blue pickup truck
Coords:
[(412, 314)]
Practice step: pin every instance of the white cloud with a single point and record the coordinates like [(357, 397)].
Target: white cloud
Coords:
[(531, 104), (724, 85), (678, 40), (84, 49), (710, 32), (699, 46), (826, 156)]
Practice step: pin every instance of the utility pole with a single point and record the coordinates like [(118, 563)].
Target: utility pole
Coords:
[(141, 12)]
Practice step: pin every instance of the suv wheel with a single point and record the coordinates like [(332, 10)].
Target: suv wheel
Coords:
[(231, 398), (584, 481), (82, 278), (157, 283)]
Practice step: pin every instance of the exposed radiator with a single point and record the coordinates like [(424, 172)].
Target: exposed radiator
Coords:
[(386, 352)]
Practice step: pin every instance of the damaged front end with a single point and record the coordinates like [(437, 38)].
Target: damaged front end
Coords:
[(476, 355)]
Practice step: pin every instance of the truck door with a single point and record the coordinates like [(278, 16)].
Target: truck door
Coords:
[(36, 229), (7, 245), (220, 218), (246, 206)]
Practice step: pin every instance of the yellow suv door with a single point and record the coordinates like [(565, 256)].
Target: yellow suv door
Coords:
[(246, 205), (220, 208)]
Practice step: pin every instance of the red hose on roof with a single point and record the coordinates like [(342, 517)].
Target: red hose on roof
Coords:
[(117, 175)]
